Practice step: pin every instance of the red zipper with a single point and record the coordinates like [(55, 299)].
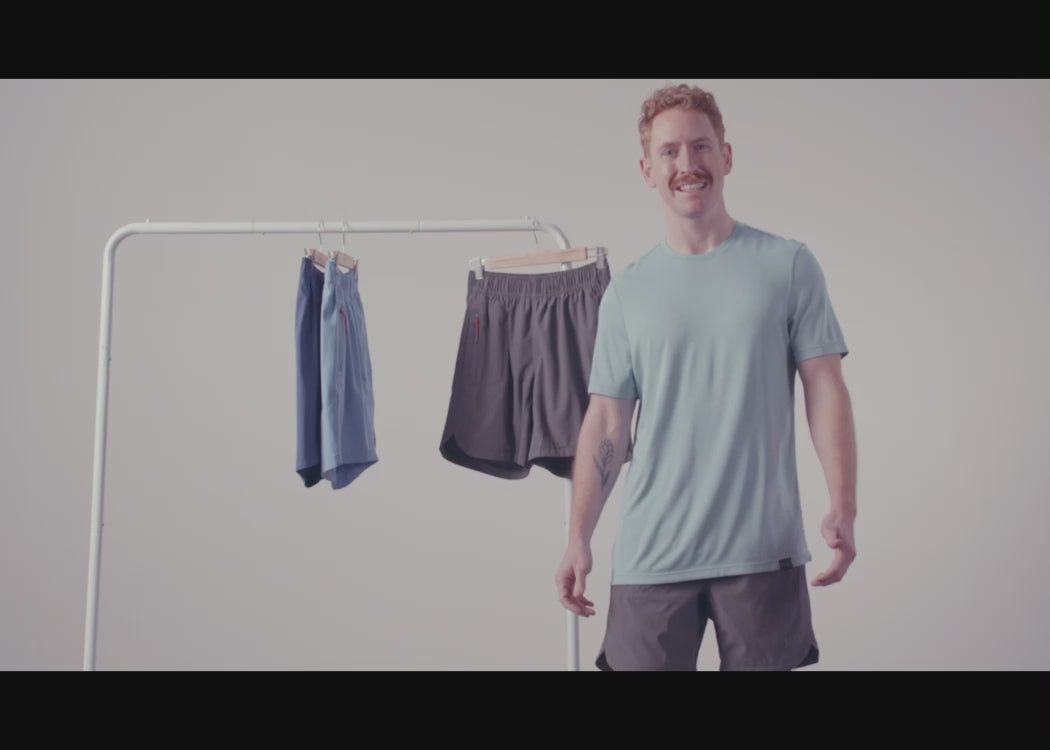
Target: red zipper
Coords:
[(477, 326)]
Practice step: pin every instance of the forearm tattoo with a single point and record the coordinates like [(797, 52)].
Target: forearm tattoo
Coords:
[(602, 460)]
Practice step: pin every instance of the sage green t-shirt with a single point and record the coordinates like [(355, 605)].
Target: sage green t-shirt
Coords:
[(709, 345)]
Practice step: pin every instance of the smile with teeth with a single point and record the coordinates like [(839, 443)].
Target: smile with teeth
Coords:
[(692, 186)]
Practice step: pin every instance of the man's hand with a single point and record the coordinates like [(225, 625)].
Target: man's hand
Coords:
[(838, 533), (571, 577)]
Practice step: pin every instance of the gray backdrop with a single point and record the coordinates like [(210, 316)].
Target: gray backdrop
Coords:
[(925, 202)]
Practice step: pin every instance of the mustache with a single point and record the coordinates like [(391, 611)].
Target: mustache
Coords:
[(691, 178)]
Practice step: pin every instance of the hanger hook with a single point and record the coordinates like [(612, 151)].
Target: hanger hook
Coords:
[(345, 228), (320, 241)]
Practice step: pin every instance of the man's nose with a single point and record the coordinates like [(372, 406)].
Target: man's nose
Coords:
[(687, 161)]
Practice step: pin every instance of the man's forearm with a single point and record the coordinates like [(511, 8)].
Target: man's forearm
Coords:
[(830, 419), (600, 452)]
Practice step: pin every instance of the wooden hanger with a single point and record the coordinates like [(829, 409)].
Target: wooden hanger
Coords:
[(543, 257), (341, 259), (321, 258)]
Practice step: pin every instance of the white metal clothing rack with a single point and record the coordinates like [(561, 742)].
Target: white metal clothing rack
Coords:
[(528, 224)]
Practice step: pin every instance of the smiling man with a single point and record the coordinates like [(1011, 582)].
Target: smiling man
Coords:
[(707, 331)]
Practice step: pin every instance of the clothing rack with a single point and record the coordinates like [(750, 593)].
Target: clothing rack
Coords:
[(528, 224)]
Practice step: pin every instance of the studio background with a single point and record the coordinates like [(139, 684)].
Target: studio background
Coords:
[(925, 201)]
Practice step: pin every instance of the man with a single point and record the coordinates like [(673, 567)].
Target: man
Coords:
[(706, 331)]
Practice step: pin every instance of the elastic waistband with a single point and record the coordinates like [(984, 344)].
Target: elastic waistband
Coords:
[(535, 284)]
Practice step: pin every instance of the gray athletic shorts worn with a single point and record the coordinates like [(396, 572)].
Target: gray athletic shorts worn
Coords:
[(762, 622), (519, 391)]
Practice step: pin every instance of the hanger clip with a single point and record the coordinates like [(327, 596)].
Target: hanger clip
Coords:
[(599, 253), (476, 265)]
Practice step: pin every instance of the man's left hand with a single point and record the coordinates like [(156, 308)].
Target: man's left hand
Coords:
[(838, 533)]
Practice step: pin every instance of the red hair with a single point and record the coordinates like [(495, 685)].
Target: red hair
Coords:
[(682, 96)]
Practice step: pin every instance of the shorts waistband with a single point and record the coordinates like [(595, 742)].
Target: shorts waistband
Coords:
[(539, 284), (338, 280)]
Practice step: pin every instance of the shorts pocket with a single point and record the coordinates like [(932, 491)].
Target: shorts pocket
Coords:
[(485, 342), (473, 350)]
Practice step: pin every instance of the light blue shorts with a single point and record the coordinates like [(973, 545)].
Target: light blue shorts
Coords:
[(348, 440)]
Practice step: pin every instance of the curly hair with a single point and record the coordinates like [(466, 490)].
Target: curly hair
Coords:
[(682, 96)]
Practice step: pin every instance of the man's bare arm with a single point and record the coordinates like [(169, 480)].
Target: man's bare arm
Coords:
[(600, 452), (830, 418)]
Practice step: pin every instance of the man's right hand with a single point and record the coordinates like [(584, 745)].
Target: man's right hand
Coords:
[(571, 578)]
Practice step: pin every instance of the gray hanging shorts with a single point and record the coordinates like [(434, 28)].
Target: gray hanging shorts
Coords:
[(519, 390), (762, 622)]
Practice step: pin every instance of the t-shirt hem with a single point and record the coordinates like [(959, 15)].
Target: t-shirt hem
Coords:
[(710, 571)]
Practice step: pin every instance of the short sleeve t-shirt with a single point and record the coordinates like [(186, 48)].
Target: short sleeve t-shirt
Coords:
[(709, 345)]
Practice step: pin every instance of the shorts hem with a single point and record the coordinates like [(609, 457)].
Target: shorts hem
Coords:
[(508, 464), (451, 446), (502, 466), (346, 471)]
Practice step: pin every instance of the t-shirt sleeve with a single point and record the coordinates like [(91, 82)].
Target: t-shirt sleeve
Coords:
[(611, 370), (813, 328)]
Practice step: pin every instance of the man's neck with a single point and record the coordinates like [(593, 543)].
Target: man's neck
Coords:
[(699, 236)]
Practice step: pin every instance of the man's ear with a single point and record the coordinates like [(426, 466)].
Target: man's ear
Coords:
[(647, 172)]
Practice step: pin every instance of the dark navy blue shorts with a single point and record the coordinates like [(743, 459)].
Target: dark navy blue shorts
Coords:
[(308, 373)]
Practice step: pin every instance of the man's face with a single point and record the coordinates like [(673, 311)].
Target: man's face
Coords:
[(686, 163)]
